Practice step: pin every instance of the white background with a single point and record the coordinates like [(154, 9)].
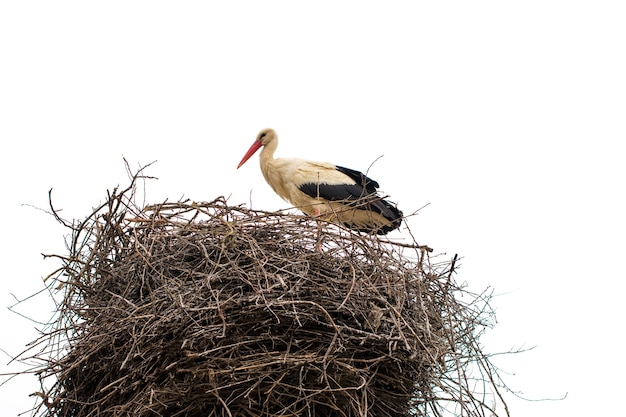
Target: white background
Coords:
[(506, 118)]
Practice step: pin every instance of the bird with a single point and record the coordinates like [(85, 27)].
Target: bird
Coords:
[(326, 191)]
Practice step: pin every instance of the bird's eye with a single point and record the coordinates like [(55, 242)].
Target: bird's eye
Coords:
[(262, 135)]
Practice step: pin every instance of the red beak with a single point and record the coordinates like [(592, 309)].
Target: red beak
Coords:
[(255, 147)]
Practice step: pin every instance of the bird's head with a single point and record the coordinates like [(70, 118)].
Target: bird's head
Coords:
[(264, 137)]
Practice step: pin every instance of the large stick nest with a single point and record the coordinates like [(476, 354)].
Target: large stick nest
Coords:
[(205, 309)]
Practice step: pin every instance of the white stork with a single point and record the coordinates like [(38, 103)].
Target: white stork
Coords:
[(329, 192)]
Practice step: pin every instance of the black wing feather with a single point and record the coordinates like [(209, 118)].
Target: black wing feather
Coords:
[(334, 192), (360, 178), (363, 188), (362, 194)]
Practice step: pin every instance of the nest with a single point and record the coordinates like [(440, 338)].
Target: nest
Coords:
[(207, 309)]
